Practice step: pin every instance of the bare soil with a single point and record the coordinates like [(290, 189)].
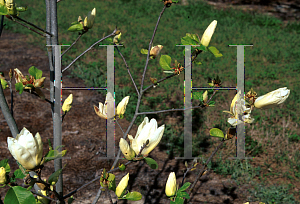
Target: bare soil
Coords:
[(84, 134)]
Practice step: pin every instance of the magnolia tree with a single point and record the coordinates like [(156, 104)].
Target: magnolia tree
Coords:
[(28, 149)]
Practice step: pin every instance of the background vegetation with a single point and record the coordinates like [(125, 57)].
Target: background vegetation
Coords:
[(272, 63)]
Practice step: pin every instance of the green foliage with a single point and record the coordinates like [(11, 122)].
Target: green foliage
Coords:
[(272, 194)]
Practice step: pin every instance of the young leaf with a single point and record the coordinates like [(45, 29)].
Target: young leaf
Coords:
[(151, 162), (198, 95), (76, 27), (35, 72), (215, 132), (144, 51), (185, 186), (215, 51), (54, 177), (3, 83), (19, 87), (165, 62), (133, 196), (18, 174), (112, 183), (183, 195)]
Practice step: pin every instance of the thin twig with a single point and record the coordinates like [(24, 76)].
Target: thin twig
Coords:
[(120, 126), (150, 45), (205, 165), (13, 19), (95, 179), (38, 194), (80, 35), (128, 70), (44, 31), (1, 24), (109, 196), (112, 34)]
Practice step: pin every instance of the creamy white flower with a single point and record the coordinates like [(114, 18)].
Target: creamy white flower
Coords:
[(122, 106), (272, 99), (122, 185), (126, 149), (238, 107), (146, 131), (26, 149), (171, 185), (208, 33), (101, 111)]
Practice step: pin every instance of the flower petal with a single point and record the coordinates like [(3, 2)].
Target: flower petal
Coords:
[(154, 140)]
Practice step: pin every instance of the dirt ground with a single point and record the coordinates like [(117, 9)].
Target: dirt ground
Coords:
[(84, 133)]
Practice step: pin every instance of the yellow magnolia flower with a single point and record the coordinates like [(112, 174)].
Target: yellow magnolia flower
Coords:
[(126, 149), (238, 107), (272, 99), (147, 133), (122, 185), (101, 111), (2, 175), (205, 97), (155, 51), (89, 20), (26, 149), (122, 106), (67, 103), (117, 38), (208, 33), (171, 185)]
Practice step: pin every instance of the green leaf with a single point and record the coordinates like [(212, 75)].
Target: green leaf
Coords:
[(215, 51), (54, 177), (19, 87), (165, 62), (189, 40), (185, 186), (198, 96), (183, 195), (151, 162), (54, 154), (144, 51), (193, 37), (3, 162), (19, 195), (215, 132), (4, 84), (35, 72), (178, 200), (133, 196), (76, 27), (3, 10), (18, 174), (211, 103), (112, 183)]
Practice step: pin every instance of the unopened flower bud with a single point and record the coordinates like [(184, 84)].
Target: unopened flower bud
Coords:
[(155, 51), (208, 33), (39, 82), (122, 106), (171, 185), (127, 151), (272, 99), (67, 103), (122, 185), (2, 175)]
